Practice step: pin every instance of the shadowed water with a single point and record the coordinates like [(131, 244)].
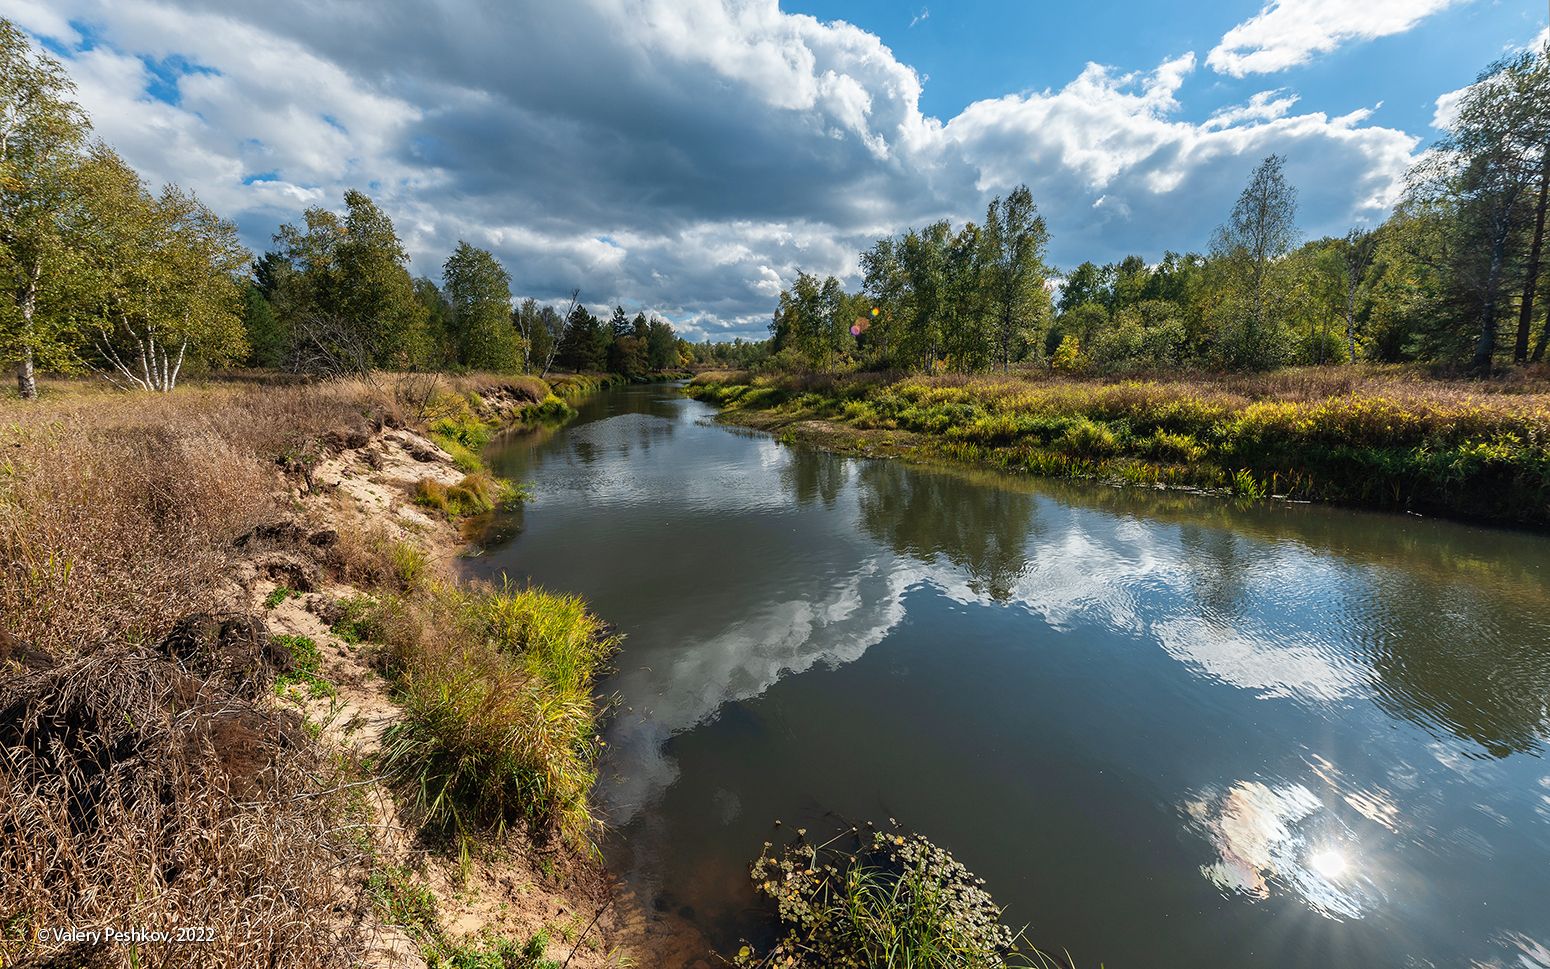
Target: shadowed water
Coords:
[(1167, 730)]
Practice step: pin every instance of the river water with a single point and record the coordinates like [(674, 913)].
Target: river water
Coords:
[(1168, 730)]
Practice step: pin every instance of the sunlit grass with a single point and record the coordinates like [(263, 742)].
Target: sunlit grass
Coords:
[(1335, 434)]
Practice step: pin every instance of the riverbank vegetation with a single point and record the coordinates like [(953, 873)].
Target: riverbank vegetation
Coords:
[(1372, 436), (150, 545), (1326, 369)]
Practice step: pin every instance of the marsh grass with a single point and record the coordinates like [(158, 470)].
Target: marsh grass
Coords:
[(1373, 436)]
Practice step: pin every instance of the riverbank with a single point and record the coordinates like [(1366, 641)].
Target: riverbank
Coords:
[(337, 754), (1372, 438)]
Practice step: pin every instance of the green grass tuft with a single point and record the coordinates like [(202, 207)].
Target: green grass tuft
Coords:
[(306, 663), (499, 719)]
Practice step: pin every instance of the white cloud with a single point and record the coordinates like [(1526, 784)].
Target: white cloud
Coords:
[(722, 146), (1447, 104), (1287, 33), (1264, 106)]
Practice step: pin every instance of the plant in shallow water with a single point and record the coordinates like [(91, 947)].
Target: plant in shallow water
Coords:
[(1245, 485), (895, 901)]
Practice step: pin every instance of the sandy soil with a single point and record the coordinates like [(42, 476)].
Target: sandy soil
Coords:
[(513, 889)]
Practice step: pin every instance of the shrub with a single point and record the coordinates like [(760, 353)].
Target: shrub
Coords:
[(1089, 439)]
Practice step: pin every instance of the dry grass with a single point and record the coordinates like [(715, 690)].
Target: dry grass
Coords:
[(146, 777), (137, 793), (117, 511), (145, 780)]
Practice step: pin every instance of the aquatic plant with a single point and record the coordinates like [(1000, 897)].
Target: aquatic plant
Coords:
[(881, 900)]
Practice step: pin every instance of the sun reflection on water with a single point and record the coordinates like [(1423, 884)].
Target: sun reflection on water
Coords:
[(1282, 837)]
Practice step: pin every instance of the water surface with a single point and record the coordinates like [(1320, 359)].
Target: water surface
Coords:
[(1166, 729)]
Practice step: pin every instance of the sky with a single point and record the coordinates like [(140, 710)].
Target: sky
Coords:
[(689, 157)]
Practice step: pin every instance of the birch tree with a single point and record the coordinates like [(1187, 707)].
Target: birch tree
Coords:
[(167, 270), (42, 134)]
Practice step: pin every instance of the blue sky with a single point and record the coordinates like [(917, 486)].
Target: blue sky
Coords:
[(973, 49), (690, 156)]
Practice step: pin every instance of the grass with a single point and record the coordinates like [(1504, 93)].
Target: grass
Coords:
[(890, 901), (478, 493), (1379, 437), (306, 666), (574, 386), (499, 720), (200, 802)]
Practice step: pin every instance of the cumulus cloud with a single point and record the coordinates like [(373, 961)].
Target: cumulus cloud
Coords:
[(1287, 33), (687, 157)]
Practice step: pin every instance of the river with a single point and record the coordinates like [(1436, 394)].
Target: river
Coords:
[(1168, 730)]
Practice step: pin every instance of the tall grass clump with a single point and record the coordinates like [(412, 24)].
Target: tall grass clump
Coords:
[(478, 493), (499, 721), (889, 901)]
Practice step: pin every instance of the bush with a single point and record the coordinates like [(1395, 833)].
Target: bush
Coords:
[(1089, 439)]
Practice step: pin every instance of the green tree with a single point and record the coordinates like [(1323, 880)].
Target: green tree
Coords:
[(267, 339), (42, 229), (349, 296), (1261, 230), (1014, 237), (167, 275), (478, 290), (965, 337), (439, 345), (923, 264), (883, 286), (1483, 176), (661, 345), (809, 324), (583, 345), (1084, 285)]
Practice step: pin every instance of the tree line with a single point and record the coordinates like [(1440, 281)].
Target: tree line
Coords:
[(102, 273), (1460, 257)]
